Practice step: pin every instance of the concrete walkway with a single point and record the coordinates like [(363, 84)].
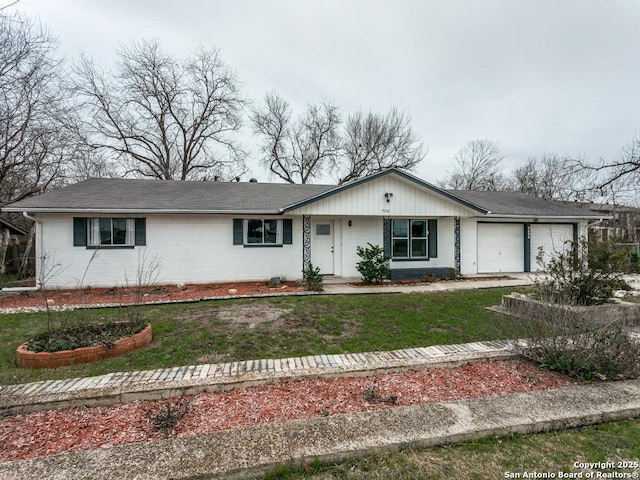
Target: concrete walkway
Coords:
[(346, 286)]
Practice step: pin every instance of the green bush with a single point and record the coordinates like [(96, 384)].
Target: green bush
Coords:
[(374, 266), (312, 278)]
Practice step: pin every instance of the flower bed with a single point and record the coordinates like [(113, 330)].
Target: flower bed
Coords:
[(65, 299), (28, 359)]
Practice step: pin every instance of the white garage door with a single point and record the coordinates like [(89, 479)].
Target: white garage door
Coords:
[(551, 238), (500, 247)]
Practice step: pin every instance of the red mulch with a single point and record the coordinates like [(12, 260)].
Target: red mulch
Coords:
[(128, 295), (55, 431)]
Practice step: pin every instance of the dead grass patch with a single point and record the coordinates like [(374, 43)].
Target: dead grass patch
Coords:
[(244, 314)]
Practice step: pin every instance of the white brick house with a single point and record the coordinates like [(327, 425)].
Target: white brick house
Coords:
[(98, 232)]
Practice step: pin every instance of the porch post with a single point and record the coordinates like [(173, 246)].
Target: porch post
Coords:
[(527, 247), (456, 241), (306, 241)]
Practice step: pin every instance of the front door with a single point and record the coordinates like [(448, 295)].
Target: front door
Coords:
[(322, 246)]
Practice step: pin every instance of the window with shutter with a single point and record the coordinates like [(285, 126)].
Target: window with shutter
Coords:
[(413, 239), (262, 232), (106, 232)]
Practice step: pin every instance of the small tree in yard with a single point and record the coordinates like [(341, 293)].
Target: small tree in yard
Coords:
[(584, 274), (567, 343), (374, 266)]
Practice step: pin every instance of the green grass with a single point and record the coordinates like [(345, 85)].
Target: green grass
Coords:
[(231, 330), (489, 458)]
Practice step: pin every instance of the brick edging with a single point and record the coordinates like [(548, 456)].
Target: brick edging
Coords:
[(28, 359)]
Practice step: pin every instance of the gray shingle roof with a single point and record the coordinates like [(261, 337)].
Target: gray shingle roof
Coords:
[(514, 203), (166, 196), (171, 196)]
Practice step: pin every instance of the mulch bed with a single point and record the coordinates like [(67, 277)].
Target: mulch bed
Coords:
[(131, 295), (56, 431)]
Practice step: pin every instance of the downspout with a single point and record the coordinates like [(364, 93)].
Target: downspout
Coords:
[(25, 289), (589, 225)]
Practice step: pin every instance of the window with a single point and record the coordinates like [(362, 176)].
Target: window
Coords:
[(409, 239), (109, 232), (323, 229), (262, 232)]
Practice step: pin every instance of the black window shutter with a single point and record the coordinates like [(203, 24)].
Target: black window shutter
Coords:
[(79, 232), (433, 238), (141, 231), (287, 231), (237, 231), (386, 241)]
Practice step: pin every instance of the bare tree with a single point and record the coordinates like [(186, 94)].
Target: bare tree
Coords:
[(314, 145), (375, 142), (617, 180), (33, 146), (297, 151), (553, 177), (161, 117), (477, 167)]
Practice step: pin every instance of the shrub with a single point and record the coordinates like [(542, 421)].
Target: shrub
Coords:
[(567, 343), (451, 274), (167, 416), (312, 278), (582, 274), (374, 266)]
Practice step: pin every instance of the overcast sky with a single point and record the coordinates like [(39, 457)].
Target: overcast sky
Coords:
[(535, 76)]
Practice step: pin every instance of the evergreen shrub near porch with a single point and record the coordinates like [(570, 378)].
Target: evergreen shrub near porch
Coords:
[(374, 266)]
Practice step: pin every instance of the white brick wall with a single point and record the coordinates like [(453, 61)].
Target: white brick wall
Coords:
[(199, 249), (188, 249)]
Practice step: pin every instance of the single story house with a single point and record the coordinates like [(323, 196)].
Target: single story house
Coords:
[(103, 232)]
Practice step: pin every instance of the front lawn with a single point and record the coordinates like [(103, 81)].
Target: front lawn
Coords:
[(228, 330)]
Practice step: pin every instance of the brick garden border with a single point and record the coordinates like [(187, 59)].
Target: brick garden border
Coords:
[(28, 359)]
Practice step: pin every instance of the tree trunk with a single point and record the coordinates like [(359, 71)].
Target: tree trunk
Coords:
[(25, 258), (6, 237)]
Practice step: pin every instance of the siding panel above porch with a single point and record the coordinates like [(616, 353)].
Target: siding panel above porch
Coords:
[(368, 199)]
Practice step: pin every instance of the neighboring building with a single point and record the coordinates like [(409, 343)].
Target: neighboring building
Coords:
[(622, 226), (13, 239), (99, 232)]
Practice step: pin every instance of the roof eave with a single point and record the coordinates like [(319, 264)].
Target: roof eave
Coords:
[(139, 211), (540, 215)]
